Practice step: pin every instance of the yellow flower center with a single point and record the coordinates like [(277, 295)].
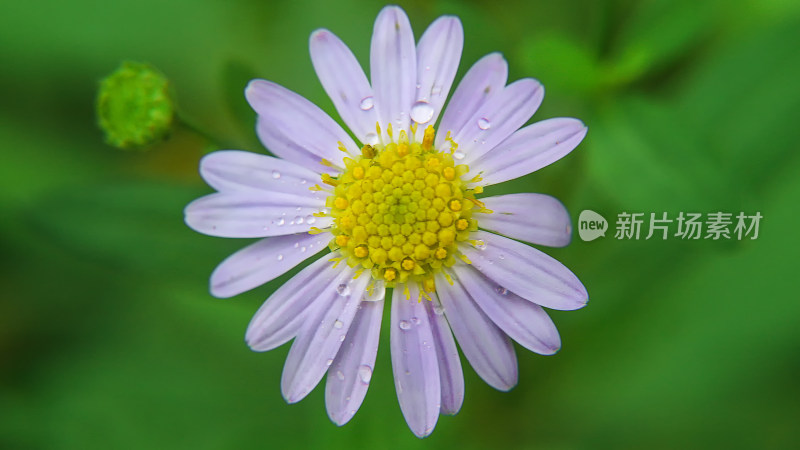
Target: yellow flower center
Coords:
[(401, 208)]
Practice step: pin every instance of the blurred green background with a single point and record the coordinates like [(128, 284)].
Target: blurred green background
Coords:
[(110, 339)]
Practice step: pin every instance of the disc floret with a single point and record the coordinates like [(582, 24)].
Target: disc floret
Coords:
[(401, 207)]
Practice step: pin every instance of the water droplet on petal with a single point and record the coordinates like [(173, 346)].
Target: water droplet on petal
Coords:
[(329, 362), (484, 124), (364, 373), (371, 139), (296, 244), (280, 257), (421, 112), (438, 310), (480, 245), (458, 155), (341, 338), (340, 375), (303, 249), (298, 220), (436, 90), (338, 324), (501, 290), (276, 174), (342, 289), (415, 320), (404, 325), (367, 103), (281, 221), (310, 219)]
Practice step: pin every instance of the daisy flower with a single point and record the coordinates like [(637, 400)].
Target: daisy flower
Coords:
[(396, 208)]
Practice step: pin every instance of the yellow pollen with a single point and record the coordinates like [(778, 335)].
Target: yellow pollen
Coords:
[(361, 251), (400, 209), (340, 202)]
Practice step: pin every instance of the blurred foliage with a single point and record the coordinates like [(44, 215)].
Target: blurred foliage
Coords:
[(109, 338)]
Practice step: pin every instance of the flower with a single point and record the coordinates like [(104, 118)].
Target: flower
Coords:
[(399, 211)]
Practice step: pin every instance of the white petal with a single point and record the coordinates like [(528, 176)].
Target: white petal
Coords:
[(264, 261), (450, 373), (438, 55), (523, 321), (286, 310), (254, 214), (320, 339), (499, 117), (537, 218), (482, 81), (351, 372), (414, 362), (526, 272), (393, 68), (529, 149), (294, 128), (235, 171), (485, 346), (344, 82)]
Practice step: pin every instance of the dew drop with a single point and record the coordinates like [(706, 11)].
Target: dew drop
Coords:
[(338, 324), (501, 290), (281, 221), (310, 219), (404, 325), (303, 249), (436, 90), (340, 375), (367, 103), (421, 112), (341, 338), (364, 373), (296, 244), (480, 245), (371, 139), (298, 220), (438, 310), (303, 181), (276, 174), (484, 124), (329, 362), (415, 320), (280, 257), (501, 256), (342, 289), (458, 155)]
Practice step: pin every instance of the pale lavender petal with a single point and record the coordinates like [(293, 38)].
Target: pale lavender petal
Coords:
[(294, 128), (264, 261), (523, 321), (414, 362), (393, 68), (235, 171), (485, 346), (498, 118), (536, 218), (438, 55), (482, 81), (248, 214), (320, 339), (285, 311), (528, 150), (526, 271), (351, 372), (450, 373), (344, 82)]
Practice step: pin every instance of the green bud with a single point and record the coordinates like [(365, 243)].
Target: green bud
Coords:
[(134, 106)]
